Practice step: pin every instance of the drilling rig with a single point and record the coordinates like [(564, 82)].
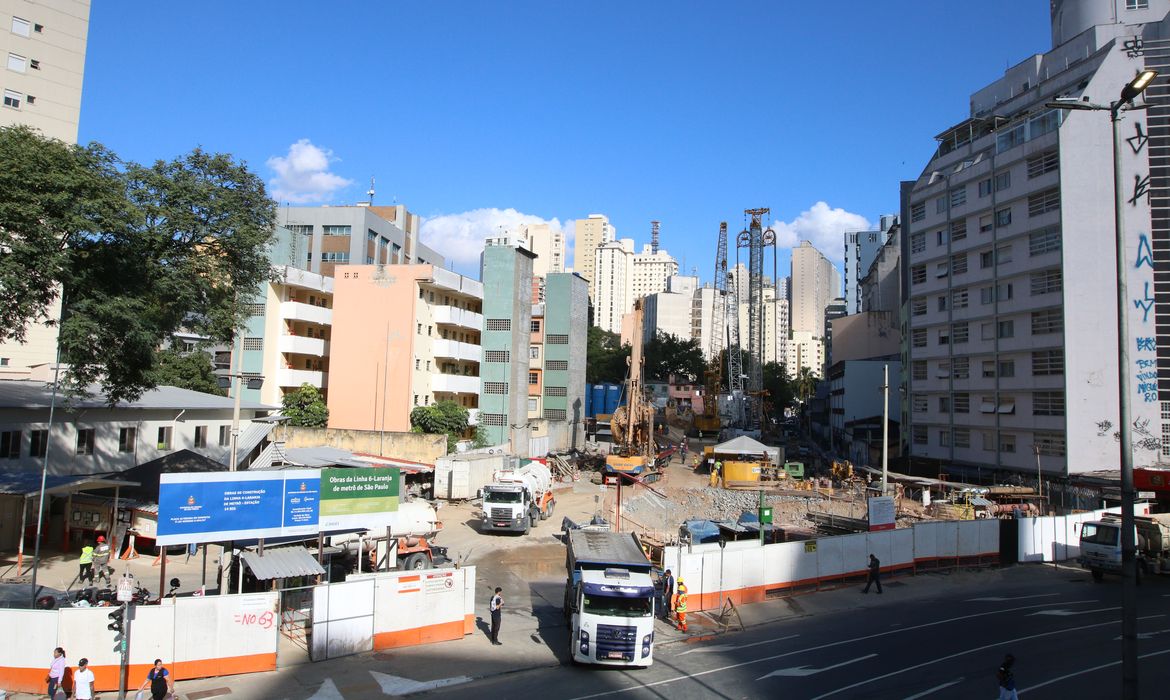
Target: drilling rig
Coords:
[(708, 421), (634, 450), (756, 238)]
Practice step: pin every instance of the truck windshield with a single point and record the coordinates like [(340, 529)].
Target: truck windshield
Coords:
[(617, 607), (1094, 533), (502, 497)]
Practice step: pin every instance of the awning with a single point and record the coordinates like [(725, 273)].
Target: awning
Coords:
[(285, 562), (28, 484)]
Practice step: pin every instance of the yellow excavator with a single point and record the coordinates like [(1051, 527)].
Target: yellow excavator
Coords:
[(632, 425)]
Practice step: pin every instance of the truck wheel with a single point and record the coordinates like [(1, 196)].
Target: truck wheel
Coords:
[(534, 518), (527, 525), (551, 506), (417, 562), (1098, 575)]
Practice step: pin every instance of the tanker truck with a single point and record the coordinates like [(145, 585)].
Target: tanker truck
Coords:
[(517, 498), (412, 532), (1101, 544)]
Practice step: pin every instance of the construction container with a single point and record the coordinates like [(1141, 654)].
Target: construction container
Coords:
[(741, 471), (460, 477)]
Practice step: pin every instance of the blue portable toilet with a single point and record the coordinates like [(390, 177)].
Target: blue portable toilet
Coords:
[(613, 393), (588, 400), (598, 399)]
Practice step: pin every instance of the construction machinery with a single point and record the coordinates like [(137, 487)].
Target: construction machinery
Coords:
[(632, 425), (1101, 544), (756, 238), (517, 498), (708, 421)]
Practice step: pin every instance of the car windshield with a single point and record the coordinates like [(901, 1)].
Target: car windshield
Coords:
[(1093, 533), (502, 497), (618, 606)]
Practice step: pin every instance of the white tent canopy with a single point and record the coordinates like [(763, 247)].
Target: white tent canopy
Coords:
[(744, 445)]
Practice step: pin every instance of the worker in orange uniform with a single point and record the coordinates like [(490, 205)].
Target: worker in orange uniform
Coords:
[(680, 605)]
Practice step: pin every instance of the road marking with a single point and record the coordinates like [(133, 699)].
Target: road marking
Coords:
[(687, 676), (1089, 670), (968, 651), (801, 671), (935, 689), (1068, 613), (327, 691), (998, 599), (397, 685), (1144, 635), (729, 647)]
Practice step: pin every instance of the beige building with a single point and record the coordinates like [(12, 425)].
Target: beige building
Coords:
[(590, 234), (775, 322), (613, 288), (650, 273)]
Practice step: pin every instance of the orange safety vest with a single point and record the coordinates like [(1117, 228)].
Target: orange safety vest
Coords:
[(681, 604)]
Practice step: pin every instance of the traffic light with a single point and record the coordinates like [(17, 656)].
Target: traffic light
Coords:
[(117, 620)]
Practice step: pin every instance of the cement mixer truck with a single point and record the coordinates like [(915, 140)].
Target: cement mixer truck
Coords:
[(410, 543), (517, 498)]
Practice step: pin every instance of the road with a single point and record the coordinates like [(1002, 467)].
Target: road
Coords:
[(1063, 629)]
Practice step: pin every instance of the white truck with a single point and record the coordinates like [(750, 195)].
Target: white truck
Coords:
[(517, 498), (609, 599), (411, 542), (1101, 544)]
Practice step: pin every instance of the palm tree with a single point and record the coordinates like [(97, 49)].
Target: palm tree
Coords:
[(806, 383)]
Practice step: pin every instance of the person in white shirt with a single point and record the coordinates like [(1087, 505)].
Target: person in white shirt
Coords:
[(83, 681)]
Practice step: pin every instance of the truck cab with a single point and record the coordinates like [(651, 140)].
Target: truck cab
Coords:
[(1100, 545), (507, 507), (609, 600)]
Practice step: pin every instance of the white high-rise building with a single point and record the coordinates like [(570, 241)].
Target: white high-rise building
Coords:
[(1009, 264), (613, 286), (590, 234), (547, 244), (709, 319), (671, 311), (815, 282), (774, 317), (651, 272)]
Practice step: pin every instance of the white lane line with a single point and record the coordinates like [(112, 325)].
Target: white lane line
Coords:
[(1088, 670), (935, 689), (801, 671), (729, 647), (1068, 613), (999, 599), (968, 651), (686, 676)]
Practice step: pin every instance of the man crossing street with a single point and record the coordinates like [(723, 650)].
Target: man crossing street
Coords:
[(875, 568), (495, 608)]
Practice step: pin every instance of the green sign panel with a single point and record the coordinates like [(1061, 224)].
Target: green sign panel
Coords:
[(765, 516), (366, 497)]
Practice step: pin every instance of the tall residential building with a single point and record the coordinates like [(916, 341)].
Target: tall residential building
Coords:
[(590, 234), (43, 44), (815, 282), (357, 235), (613, 286), (881, 287), (709, 321), (402, 336), (1009, 265), (861, 247), (671, 311), (546, 244), (775, 321), (565, 333), (507, 312), (650, 273)]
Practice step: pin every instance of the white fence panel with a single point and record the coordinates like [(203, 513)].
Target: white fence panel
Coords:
[(343, 619), (901, 547), (791, 563), (855, 553), (830, 557), (881, 545), (211, 631)]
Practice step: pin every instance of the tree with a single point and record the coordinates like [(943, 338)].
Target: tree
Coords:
[(805, 383), (444, 417), (190, 370), (606, 357), (667, 355), (136, 253), (779, 388), (306, 408)]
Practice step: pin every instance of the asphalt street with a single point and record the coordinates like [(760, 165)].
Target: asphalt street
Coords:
[(1063, 629)]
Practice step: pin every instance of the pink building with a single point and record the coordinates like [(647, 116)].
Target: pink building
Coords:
[(402, 336)]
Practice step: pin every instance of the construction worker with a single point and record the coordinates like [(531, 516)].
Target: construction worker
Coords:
[(101, 559), (680, 605), (86, 564)]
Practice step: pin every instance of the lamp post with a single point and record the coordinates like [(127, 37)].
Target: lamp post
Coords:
[(1124, 103), (232, 380), (885, 425)]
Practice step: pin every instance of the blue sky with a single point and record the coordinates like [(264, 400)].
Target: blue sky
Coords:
[(684, 112)]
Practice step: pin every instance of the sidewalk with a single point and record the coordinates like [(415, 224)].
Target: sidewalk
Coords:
[(531, 641)]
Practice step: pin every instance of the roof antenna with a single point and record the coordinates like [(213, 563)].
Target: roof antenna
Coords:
[(371, 191)]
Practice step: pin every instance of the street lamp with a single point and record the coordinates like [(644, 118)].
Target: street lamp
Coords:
[(232, 380), (1124, 103)]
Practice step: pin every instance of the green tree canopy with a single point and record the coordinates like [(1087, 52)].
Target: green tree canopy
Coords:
[(136, 252), (442, 418), (606, 357), (186, 370), (668, 354), (306, 408), (779, 388)]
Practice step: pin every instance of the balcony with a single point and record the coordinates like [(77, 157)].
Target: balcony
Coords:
[(303, 279), (454, 316), (301, 345), (445, 279), (298, 311), (454, 384), (455, 350), (296, 377)]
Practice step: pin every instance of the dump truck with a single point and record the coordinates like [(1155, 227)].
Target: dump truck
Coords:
[(517, 498), (1101, 544), (609, 599)]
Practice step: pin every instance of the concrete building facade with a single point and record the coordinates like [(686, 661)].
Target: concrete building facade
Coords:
[(507, 314), (565, 335), (356, 235), (613, 286), (861, 247), (881, 288), (589, 234), (650, 273)]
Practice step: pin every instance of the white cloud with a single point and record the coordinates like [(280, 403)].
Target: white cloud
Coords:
[(823, 226), (303, 175), (459, 237)]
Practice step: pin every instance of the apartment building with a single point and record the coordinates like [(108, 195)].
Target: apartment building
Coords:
[(507, 312), (672, 310), (356, 235), (861, 247), (1009, 269), (589, 234), (881, 286), (708, 321), (402, 336), (650, 272), (613, 284)]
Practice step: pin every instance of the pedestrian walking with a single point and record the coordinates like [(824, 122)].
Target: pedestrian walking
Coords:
[(875, 569), (495, 608), (667, 594), (83, 681), (680, 605), (56, 671), (85, 570), (160, 681), (1007, 679)]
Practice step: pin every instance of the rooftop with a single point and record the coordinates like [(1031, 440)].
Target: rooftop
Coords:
[(29, 394)]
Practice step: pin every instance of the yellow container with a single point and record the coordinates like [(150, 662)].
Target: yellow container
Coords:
[(741, 471)]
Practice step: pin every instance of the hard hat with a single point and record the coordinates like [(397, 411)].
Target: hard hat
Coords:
[(101, 539)]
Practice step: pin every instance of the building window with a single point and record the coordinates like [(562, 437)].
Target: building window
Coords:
[(961, 403), (534, 352), (38, 442), (918, 370), (1049, 444), (985, 187), (533, 378), (958, 196), (499, 387), (1044, 241), (1003, 217), (958, 263), (987, 259), (1042, 163), (918, 211), (555, 414), (497, 356), (1137, 4), (1007, 329), (1046, 281), (1047, 362), (959, 298), (417, 363), (1048, 321), (498, 324), (556, 391), (918, 306), (535, 325), (958, 230), (10, 444), (919, 433), (1007, 368), (960, 367), (1048, 403), (944, 336), (917, 243), (1044, 202), (918, 274), (20, 26), (942, 269), (225, 435), (497, 420), (1007, 442), (940, 205), (557, 365), (989, 369), (300, 229), (918, 337), (1003, 254), (253, 343), (944, 404), (335, 257), (556, 339), (333, 230), (919, 403), (962, 437), (17, 63), (201, 436), (533, 404), (12, 99), (960, 333), (986, 223), (988, 440), (941, 303), (126, 439), (1003, 181), (944, 438), (85, 441), (164, 438)]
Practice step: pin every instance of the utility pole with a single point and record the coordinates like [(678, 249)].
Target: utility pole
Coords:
[(885, 425)]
